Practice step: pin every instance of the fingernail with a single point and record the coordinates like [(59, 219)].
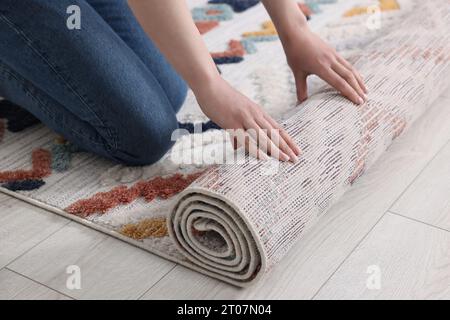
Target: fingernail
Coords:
[(360, 100), (284, 157), (294, 158)]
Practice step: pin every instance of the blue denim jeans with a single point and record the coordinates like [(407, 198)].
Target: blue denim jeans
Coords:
[(106, 87)]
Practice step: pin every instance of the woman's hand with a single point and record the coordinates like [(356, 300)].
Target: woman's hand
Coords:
[(253, 128), (308, 54)]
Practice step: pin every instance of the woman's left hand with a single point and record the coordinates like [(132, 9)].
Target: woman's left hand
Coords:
[(308, 54)]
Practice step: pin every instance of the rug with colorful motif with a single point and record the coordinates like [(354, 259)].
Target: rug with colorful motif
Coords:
[(132, 204)]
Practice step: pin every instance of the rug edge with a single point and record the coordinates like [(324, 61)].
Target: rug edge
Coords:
[(117, 235)]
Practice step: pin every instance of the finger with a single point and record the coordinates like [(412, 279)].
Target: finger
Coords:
[(264, 142), (284, 135), (336, 81), (348, 76), (243, 139), (355, 72), (275, 137), (252, 147), (302, 87)]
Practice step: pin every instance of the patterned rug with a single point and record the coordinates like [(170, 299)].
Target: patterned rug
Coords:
[(133, 204)]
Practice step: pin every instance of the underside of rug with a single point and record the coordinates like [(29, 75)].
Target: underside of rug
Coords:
[(235, 221)]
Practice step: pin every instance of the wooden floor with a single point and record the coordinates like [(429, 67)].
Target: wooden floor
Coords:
[(389, 237)]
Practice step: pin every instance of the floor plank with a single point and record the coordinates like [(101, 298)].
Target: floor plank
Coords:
[(22, 226), (16, 287), (428, 198), (109, 268), (314, 259), (400, 259)]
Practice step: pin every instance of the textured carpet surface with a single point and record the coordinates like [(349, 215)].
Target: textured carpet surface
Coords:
[(234, 222)]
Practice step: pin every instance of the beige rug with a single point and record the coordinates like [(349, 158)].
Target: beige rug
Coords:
[(236, 221)]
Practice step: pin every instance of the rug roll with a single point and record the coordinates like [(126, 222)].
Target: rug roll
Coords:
[(238, 220)]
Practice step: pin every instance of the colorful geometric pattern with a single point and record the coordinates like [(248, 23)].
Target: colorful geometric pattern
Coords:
[(158, 187), (24, 185), (234, 53), (206, 26), (249, 46), (147, 228), (217, 12), (202, 127), (384, 5), (41, 168), (62, 152), (209, 16)]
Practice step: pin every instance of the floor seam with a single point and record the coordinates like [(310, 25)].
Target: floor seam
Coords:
[(348, 255), (159, 280), (38, 243), (419, 221), (419, 174), (39, 283)]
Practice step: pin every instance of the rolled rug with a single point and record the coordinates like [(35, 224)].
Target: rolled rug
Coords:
[(238, 220)]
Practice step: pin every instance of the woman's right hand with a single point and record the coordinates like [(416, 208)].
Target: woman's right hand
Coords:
[(252, 127)]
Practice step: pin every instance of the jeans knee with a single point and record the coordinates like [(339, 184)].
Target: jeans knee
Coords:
[(146, 145)]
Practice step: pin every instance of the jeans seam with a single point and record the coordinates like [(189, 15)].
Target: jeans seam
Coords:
[(28, 42), (44, 109)]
